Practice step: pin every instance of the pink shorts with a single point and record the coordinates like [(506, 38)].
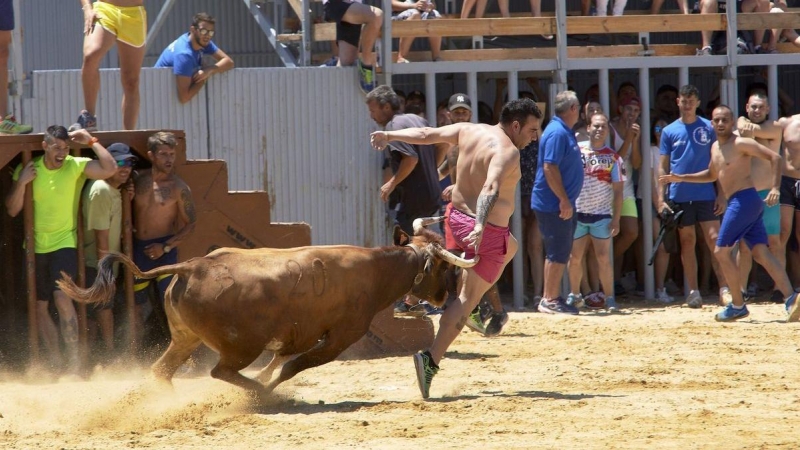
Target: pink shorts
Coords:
[(493, 247), (449, 240)]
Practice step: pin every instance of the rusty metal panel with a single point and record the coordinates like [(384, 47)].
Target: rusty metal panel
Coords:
[(303, 136), (57, 98)]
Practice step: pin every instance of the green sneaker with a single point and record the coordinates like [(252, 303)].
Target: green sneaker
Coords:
[(425, 372), (366, 77), (475, 321), (9, 125)]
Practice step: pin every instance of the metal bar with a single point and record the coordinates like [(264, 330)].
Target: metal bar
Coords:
[(268, 29), (308, 34), (772, 92), (386, 39), (562, 61), (430, 94), (605, 99), (516, 219), (153, 30), (683, 76), (30, 269), (646, 184), (472, 92)]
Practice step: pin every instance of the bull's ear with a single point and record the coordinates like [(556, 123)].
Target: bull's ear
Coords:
[(400, 236)]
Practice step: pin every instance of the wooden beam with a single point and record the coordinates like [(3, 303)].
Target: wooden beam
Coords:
[(291, 37), (474, 27), (325, 31), (763, 21), (297, 7), (649, 23), (605, 51)]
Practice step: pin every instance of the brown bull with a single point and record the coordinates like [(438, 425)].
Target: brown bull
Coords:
[(306, 305)]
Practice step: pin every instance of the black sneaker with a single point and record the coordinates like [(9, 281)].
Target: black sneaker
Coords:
[(557, 306), (425, 369), (496, 323)]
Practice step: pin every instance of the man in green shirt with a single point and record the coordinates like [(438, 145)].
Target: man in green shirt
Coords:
[(102, 219), (56, 179)]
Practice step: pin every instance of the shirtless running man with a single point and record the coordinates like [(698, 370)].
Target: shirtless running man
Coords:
[(790, 183), (483, 201), (731, 165), (162, 204), (757, 126)]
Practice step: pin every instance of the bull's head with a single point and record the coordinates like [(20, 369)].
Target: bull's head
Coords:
[(431, 284)]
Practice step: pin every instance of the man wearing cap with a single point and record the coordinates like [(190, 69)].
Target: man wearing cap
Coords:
[(54, 180), (625, 140), (102, 217), (460, 108)]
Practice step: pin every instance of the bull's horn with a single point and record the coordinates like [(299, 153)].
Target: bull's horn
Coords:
[(423, 222), (453, 259)]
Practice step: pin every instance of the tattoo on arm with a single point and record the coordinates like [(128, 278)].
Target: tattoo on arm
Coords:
[(188, 205), (484, 207)]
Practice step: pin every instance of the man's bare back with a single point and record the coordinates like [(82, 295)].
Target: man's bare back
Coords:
[(791, 142), (482, 148), (161, 207)]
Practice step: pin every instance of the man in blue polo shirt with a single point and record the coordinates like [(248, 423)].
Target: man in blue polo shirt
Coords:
[(686, 148), (559, 179), (185, 56)]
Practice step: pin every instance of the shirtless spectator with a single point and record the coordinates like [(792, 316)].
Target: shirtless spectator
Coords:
[(54, 179), (185, 56), (123, 22), (757, 126), (790, 182), (350, 16), (461, 111), (731, 164), (483, 201), (163, 213)]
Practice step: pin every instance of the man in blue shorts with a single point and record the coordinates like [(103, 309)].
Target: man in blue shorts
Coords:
[(730, 164), (559, 179), (686, 148), (185, 56)]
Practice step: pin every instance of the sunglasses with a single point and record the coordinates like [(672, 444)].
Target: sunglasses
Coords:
[(205, 31), (126, 163)]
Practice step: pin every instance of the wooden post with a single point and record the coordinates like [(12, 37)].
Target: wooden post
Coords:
[(127, 248), (30, 267)]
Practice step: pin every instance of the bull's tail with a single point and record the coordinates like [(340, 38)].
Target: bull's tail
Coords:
[(104, 287)]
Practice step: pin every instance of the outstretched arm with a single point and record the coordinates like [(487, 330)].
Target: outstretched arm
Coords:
[(706, 176), (447, 134)]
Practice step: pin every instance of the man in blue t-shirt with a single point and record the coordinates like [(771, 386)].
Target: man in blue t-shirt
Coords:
[(559, 180), (686, 148), (185, 56)]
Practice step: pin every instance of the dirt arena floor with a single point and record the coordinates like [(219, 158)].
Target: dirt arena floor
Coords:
[(651, 377)]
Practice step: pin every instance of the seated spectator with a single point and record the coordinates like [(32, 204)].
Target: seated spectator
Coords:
[(597, 211), (716, 42), (480, 9), (536, 11), (185, 56), (788, 34), (655, 7), (416, 10), (349, 17), (415, 104), (602, 7)]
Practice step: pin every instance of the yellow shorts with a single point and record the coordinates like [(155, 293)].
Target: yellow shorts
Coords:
[(629, 208), (128, 24)]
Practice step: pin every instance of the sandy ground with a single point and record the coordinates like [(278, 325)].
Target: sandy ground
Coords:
[(652, 377)]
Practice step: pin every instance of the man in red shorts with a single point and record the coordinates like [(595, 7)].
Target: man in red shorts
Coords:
[(483, 201)]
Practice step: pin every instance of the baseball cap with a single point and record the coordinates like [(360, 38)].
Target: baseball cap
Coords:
[(631, 101), (121, 152), (459, 101)]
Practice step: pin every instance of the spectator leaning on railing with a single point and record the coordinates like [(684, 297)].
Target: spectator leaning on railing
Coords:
[(419, 10)]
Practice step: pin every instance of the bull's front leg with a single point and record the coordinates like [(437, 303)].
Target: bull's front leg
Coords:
[(265, 374)]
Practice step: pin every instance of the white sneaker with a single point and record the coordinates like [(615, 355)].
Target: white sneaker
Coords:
[(694, 299), (575, 300), (663, 297)]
